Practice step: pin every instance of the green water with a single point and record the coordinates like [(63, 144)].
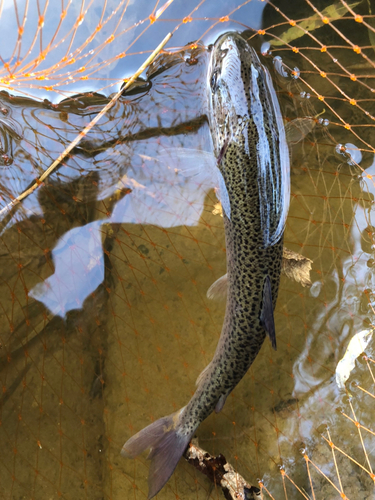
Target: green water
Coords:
[(105, 324)]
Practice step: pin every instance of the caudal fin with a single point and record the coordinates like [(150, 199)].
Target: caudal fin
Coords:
[(167, 444)]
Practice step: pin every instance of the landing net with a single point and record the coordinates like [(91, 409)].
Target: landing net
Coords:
[(105, 323)]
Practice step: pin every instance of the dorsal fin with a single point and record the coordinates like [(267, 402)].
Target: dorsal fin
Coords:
[(266, 315)]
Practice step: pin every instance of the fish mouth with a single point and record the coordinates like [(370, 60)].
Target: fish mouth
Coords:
[(225, 48)]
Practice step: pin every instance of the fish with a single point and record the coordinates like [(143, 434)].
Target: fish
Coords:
[(253, 174)]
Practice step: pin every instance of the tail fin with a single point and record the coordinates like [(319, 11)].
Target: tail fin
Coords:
[(167, 445)]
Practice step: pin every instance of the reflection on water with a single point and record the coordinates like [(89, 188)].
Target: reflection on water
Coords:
[(79, 270), (55, 51), (105, 323), (158, 195)]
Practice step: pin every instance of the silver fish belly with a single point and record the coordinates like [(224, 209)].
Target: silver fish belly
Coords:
[(253, 176)]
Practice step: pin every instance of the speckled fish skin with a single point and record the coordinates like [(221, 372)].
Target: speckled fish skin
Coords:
[(245, 124), (249, 260)]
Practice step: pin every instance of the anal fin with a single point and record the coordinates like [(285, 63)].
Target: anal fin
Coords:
[(266, 315), (221, 402)]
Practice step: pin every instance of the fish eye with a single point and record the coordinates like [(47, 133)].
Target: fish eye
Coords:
[(223, 53), (214, 76)]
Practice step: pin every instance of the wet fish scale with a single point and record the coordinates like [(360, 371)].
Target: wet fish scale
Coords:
[(248, 260), (253, 175)]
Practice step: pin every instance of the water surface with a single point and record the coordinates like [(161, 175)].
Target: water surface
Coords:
[(105, 324)]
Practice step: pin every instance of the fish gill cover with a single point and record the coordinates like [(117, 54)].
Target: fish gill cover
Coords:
[(105, 324)]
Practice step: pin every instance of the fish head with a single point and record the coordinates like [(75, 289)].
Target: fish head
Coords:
[(228, 84), (248, 133)]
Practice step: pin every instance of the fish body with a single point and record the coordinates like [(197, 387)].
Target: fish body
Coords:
[(252, 164)]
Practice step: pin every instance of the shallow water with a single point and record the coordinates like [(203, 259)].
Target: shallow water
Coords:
[(105, 324)]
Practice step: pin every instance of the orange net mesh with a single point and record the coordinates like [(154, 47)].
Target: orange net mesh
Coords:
[(105, 324)]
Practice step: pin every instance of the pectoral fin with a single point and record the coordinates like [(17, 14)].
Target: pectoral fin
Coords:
[(222, 194), (273, 170), (266, 316), (297, 129)]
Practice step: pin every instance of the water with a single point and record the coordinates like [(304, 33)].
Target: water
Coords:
[(105, 324)]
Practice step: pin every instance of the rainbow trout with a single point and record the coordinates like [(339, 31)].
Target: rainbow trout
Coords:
[(252, 168)]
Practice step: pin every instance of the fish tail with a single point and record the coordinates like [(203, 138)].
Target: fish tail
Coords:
[(167, 443)]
